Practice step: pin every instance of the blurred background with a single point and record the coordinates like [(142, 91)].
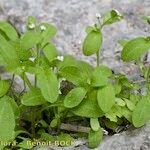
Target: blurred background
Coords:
[(71, 18)]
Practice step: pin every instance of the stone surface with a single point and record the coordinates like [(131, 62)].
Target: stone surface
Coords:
[(72, 16)]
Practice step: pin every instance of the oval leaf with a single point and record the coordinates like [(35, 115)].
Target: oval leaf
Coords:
[(74, 75), (106, 98), (74, 97), (4, 86), (95, 138), (48, 84), (88, 107), (30, 39), (135, 48), (7, 120), (33, 98), (92, 43), (8, 30), (94, 124), (50, 52), (141, 113)]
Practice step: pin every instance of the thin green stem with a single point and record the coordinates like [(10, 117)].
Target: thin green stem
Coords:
[(98, 58), (148, 74), (27, 81)]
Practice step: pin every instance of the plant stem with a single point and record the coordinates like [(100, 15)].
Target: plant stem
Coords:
[(148, 74), (27, 81), (98, 58)]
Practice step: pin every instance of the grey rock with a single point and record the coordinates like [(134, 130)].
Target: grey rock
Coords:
[(72, 16)]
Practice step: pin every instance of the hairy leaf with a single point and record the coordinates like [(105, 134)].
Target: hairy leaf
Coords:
[(94, 124), (92, 43), (50, 52), (7, 120), (74, 97), (95, 138), (4, 87), (30, 39), (141, 113), (89, 107), (8, 30), (105, 100), (135, 48), (48, 84), (33, 98)]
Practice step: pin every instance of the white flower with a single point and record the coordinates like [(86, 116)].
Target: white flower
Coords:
[(43, 28), (118, 13), (32, 59), (98, 15), (61, 58), (31, 26)]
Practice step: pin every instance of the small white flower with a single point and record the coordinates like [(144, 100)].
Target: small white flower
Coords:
[(31, 26), (118, 13), (98, 15), (32, 59), (61, 58), (43, 28)]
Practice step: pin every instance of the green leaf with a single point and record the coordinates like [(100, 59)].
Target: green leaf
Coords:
[(120, 102), (8, 30), (95, 138), (4, 87), (117, 88), (8, 53), (112, 17), (47, 137), (74, 75), (100, 76), (74, 97), (114, 113), (89, 107), (48, 84), (48, 33), (105, 100), (130, 104), (30, 39), (54, 123), (102, 69), (92, 43), (68, 140), (111, 116), (135, 48), (141, 113), (14, 106), (22, 54), (50, 52), (94, 123), (98, 80), (7, 120), (126, 113), (33, 98)]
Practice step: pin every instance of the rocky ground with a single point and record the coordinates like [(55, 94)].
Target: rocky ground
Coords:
[(71, 17)]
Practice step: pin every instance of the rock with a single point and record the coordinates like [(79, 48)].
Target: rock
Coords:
[(72, 16), (133, 139)]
